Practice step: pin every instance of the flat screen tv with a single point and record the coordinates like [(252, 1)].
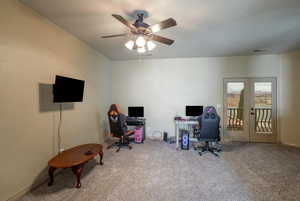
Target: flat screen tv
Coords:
[(67, 90), (136, 111), (193, 111)]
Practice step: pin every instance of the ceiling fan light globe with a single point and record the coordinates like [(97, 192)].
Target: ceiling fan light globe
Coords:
[(155, 28), (141, 49), (150, 45), (129, 44), (140, 41)]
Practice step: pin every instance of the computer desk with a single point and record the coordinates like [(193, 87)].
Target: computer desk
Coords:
[(137, 122), (184, 124)]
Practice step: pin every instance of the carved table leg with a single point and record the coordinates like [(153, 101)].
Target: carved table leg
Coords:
[(101, 157), (51, 172), (77, 170)]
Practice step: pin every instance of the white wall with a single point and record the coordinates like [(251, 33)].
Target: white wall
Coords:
[(32, 52), (165, 86), (290, 98)]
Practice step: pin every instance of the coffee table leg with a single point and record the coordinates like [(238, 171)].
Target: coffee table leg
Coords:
[(77, 170), (101, 156), (51, 172)]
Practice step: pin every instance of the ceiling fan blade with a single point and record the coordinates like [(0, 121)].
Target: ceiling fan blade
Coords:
[(163, 40), (123, 21), (163, 25), (116, 35)]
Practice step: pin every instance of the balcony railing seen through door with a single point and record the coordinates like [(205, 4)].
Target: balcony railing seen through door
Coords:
[(263, 119)]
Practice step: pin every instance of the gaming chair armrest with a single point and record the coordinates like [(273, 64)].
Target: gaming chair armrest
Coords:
[(130, 132), (115, 136)]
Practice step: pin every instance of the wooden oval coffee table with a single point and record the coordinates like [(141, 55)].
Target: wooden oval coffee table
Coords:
[(75, 158)]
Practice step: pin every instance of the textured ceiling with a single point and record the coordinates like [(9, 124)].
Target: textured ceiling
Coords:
[(205, 28)]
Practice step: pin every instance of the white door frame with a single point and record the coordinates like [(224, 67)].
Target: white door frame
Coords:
[(248, 133), (261, 137), (236, 135)]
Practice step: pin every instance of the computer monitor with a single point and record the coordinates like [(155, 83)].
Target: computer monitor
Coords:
[(193, 111), (136, 111)]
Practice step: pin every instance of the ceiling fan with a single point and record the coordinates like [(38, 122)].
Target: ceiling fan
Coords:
[(142, 34)]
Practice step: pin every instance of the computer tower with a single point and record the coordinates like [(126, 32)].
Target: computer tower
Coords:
[(138, 134), (185, 139), (165, 137)]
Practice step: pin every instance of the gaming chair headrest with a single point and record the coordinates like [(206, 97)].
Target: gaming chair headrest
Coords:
[(210, 112)]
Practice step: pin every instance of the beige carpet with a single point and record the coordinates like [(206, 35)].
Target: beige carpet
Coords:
[(155, 171)]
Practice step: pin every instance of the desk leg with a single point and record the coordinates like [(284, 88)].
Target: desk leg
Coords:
[(77, 170), (51, 172), (177, 136), (101, 157)]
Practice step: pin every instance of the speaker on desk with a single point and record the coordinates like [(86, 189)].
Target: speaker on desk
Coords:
[(185, 139)]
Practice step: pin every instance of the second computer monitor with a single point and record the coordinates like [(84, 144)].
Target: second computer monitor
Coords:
[(136, 111), (193, 111)]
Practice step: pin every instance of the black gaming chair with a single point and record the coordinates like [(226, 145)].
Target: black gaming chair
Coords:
[(118, 129), (209, 123)]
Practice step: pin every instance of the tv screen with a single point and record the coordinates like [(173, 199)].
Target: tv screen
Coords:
[(67, 89), (193, 111), (136, 111)]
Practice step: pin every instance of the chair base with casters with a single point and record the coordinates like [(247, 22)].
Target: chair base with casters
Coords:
[(123, 142), (208, 148)]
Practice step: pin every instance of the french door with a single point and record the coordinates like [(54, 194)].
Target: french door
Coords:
[(250, 107)]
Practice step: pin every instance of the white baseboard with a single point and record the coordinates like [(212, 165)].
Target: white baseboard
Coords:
[(291, 145), (19, 194)]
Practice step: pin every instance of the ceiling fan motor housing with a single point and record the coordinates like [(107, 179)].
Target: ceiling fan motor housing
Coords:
[(140, 21)]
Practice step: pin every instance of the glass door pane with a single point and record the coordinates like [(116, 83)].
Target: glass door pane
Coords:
[(263, 107), (263, 116), (236, 114), (235, 105)]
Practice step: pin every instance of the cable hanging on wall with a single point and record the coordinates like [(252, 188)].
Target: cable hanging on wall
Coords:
[(59, 128)]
